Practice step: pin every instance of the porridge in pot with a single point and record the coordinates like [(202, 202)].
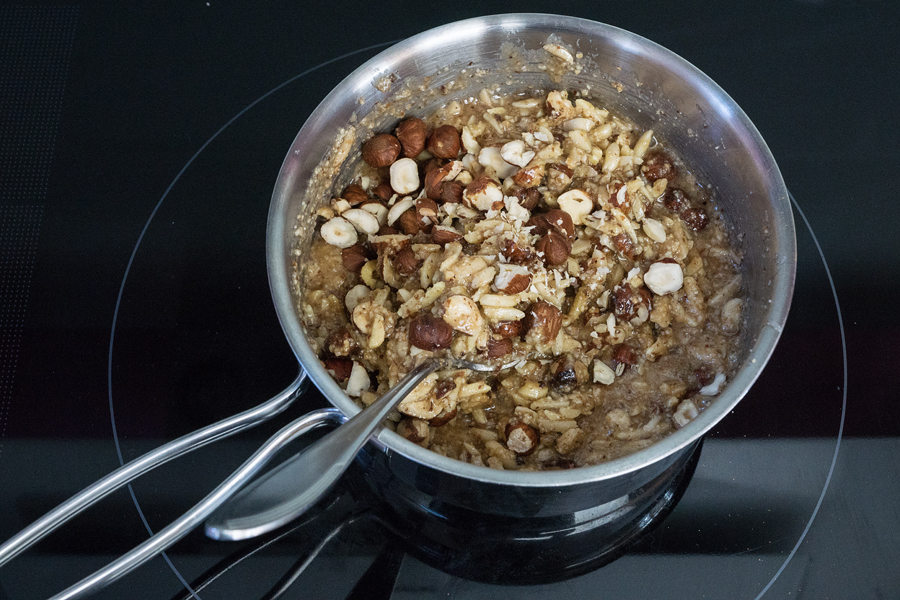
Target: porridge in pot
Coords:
[(536, 229)]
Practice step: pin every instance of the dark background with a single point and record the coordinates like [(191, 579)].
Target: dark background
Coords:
[(138, 140)]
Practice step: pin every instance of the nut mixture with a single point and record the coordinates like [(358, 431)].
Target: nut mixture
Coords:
[(539, 230)]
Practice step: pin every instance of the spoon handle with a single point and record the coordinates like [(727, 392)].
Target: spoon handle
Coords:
[(288, 491), (134, 469), (192, 518)]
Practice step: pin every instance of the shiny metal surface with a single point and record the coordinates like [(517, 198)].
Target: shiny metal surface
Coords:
[(296, 485), (134, 469), (645, 83)]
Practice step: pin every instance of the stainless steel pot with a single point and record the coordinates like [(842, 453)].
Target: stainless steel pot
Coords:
[(630, 75)]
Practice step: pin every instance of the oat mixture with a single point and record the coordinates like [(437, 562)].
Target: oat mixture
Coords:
[(537, 229)]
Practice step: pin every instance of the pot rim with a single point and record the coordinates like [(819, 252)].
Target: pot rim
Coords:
[(360, 80)]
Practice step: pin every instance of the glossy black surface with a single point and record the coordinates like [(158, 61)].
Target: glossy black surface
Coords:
[(152, 126)]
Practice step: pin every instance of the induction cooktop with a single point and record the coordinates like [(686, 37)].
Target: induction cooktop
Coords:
[(138, 149)]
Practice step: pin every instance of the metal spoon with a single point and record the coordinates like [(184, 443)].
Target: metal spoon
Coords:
[(288, 491), (319, 467)]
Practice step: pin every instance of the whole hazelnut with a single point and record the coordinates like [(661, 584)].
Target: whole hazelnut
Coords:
[(562, 222), (412, 133), (554, 247), (521, 438), (429, 333), (405, 261), (674, 199), (381, 151), (627, 300), (444, 142), (508, 329), (528, 197), (544, 320), (434, 181)]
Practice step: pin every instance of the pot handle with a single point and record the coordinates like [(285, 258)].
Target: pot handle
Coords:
[(127, 473)]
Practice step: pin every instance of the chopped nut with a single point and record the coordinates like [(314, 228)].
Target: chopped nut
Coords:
[(381, 151), (543, 320), (409, 222), (521, 438), (363, 220), (354, 257), (415, 430), (664, 278), (405, 176), (358, 381), (405, 261), (498, 348), (515, 154), (731, 316), (603, 373), (695, 218), (354, 194), (515, 253), (339, 232), (444, 235), (340, 367), (658, 166), (577, 204), (512, 279), (484, 194), (508, 329), (462, 314)]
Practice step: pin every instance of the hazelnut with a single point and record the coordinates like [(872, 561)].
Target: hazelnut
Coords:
[(341, 343), (444, 142), (412, 133), (521, 438), (355, 257), (429, 333), (554, 247), (443, 417), (619, 197), (674, 199), (658, 166), (427, 209), (563, 378), (452, 192), (515, 253), (627, 300), (559, 176), (405, 176), (383, 191), (528, 197), (354, 194), (339, 366), (508, 329), (498, 348), (695, 218), (415, 430), (529, 177), (556, 219), (512, 279), (381, 151), (409, 222), (405, 261), (544, 320), (562, 222), (624, 355), (444, 235), (484, 194), (625, 246)]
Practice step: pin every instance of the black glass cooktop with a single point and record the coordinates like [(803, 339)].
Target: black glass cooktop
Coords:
[(138, 150)]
